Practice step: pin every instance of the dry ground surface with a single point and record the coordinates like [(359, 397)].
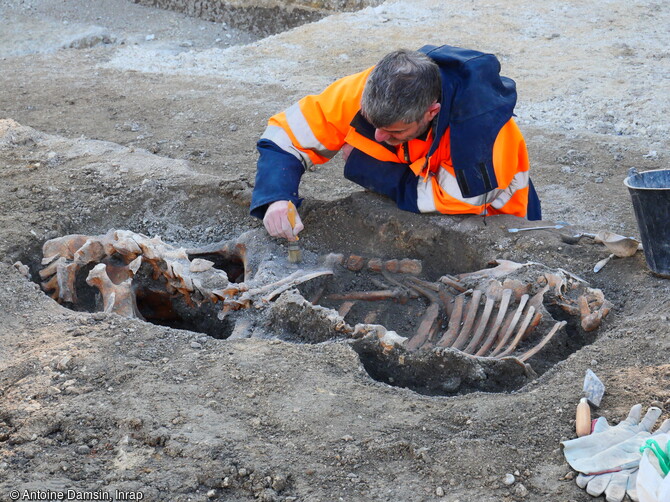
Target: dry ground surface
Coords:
[(114, 115)]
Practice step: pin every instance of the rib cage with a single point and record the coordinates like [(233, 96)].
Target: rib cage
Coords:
[(483, 317)]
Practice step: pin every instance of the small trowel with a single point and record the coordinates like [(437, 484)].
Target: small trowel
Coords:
[(618, 245)]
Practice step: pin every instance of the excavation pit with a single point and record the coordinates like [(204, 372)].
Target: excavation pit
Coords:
[(491, 330)]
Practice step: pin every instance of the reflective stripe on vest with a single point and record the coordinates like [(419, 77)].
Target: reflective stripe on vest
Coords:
[(447, 182), (503, 196), (303, 132), (279, 137)]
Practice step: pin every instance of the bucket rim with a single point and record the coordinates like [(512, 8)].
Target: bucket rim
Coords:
[(625, 181)]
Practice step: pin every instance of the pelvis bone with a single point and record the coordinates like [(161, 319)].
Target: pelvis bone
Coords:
[(189, 275)]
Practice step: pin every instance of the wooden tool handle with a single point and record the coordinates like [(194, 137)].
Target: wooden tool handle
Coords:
[(583, 418), (292, 213)]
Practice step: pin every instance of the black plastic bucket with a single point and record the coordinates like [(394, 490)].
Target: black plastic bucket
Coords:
[(650, 192)]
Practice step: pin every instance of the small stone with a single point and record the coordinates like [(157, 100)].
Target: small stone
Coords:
[(64, 363), (211, 494), (599, 179), (594, 362), (439, 491), (267, 495), (242, 472), (279, 483), (196, 345), (520, 490), (509, 479), (148, 38), (233, 127), (23, 269), (83, 450), (200, 265), (657, 404)]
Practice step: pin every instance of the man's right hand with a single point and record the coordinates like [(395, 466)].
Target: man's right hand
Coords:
[(276, 221)]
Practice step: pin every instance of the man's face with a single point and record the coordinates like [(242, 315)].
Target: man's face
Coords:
[(399, 132)]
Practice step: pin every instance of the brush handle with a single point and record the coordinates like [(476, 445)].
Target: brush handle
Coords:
[(291, 213)]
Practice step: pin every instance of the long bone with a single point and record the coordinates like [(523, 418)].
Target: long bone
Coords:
[(469, 320), (509, 329), (451, 333), (530, 353), (428, 323), (530, 313), (481, 326), (493, 332)]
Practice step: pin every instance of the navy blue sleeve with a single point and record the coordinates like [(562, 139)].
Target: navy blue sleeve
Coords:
[(277, 178), (534, 211)]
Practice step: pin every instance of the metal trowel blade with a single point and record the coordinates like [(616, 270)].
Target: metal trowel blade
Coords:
[(594, 389)]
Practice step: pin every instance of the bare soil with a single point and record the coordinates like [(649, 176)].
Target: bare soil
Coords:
[(114, 115)]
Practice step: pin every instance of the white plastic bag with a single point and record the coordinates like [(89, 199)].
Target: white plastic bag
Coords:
[(652, 484)]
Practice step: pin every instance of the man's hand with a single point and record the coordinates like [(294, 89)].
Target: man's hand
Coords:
[(276, 221)]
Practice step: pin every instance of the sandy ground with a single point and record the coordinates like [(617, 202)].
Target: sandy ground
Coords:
[(114, 115)]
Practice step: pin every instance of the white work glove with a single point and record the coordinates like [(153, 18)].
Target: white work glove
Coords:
[(277, 224), (608, 458)]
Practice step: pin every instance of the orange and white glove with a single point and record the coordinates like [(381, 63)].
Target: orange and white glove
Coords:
[(277, 223)]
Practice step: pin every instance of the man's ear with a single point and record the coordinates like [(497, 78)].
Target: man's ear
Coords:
[(433, 110)]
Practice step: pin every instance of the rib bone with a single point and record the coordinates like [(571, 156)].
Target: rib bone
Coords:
[(510, 328), (502, 311), (481, 326), (450, 335), (469, 320)]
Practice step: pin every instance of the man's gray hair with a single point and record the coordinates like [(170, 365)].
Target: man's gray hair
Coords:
[(400, 88)]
